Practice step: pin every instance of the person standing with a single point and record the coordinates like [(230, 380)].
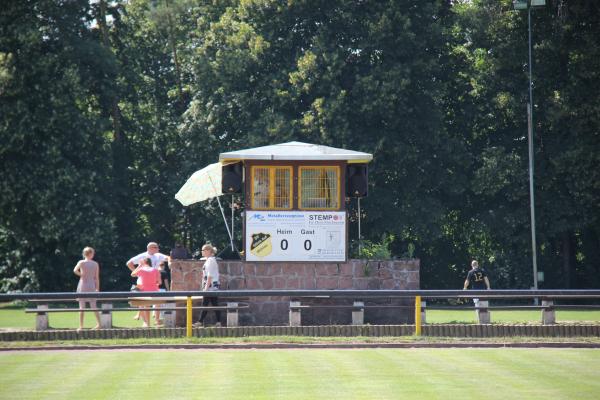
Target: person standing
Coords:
[(149, 281), (210, 281), (179, 252), (152, 252), (88, 272), (165, 286), (156, 258), (477, 278)]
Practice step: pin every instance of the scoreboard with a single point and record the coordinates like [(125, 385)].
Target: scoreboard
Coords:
[(310, 236)]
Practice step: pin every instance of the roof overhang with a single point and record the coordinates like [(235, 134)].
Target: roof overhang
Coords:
[(299, 151)]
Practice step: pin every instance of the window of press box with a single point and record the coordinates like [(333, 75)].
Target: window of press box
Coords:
[(271, 188), (319, 188)]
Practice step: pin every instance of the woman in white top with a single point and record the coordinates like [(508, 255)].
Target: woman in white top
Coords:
[(210, 280)]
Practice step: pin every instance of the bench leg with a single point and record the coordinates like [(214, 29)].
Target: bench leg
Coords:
[(169, 317), (295, 317), (358, 316), (106, 316), (483, 314), (41, 318), (548, 315), (232, 314), (423, 311)]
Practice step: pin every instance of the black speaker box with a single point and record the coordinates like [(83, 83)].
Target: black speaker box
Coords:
[(357, 180), (232, 180)]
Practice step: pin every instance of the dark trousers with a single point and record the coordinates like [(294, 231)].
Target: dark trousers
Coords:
[(213, 301)]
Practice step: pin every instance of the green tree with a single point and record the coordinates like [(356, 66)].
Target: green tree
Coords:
[(362, 75), (54, 156), (490, 59)]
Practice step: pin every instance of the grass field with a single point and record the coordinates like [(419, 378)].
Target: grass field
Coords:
[(521, 316), (16, 318), (303, 374)]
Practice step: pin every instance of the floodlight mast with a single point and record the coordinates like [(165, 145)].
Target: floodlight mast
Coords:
[(528, 5)]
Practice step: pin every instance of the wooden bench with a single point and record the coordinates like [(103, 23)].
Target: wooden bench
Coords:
[(42, 310), (106, 309), (231, 307), (169, 310), (358, 309), (482, 310)]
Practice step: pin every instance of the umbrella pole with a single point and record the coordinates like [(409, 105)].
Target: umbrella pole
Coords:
[(225, 221)]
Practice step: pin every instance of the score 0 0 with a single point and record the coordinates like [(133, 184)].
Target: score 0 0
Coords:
[(284, 243)]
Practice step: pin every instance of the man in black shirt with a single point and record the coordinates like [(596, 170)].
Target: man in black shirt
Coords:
[(476, 278)]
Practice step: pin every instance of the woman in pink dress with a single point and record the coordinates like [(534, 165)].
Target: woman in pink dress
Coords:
[(88, 272), (149, 281)]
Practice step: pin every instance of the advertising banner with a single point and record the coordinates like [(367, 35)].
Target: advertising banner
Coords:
[(295, 236)]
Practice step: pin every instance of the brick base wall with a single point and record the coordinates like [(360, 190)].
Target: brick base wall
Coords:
[(355, 274)]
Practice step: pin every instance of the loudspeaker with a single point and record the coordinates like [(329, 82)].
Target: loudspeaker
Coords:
[(357, 180), (232, 179)]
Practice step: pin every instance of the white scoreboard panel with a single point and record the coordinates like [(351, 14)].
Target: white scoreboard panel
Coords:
[(295, 236)]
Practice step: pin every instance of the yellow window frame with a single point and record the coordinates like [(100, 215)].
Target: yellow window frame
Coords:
[(272, 195), (337, 170)]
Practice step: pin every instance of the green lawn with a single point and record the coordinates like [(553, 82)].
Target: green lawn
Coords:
[(17, 318), (302, 374), (521, 316)]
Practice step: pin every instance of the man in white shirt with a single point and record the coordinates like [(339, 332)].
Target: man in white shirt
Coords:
[(157, 259), (152, 253)]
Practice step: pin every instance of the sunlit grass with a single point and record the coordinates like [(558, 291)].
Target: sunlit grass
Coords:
[(302, 374), (17, 318), (520, 316)]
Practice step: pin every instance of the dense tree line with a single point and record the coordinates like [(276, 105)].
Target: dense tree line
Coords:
[(107, 107)]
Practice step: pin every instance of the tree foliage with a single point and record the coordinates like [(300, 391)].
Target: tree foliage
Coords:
[(107, 107)]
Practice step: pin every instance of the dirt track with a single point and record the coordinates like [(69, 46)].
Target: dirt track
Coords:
[(270, 346)]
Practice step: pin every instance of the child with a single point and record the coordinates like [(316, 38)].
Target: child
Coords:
[(149, 281)]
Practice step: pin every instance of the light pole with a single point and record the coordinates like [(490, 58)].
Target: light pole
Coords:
[(528, 5)]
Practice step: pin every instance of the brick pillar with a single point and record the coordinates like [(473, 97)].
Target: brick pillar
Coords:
[(186, 275)]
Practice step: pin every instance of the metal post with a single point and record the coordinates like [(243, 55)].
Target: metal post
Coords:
[(359, 236), (225, 220), (232, 223), (188, 322), (417, 315), (530, 145)]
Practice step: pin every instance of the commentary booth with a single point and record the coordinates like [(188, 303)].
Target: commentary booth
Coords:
[(294, 199), (295, 229)]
